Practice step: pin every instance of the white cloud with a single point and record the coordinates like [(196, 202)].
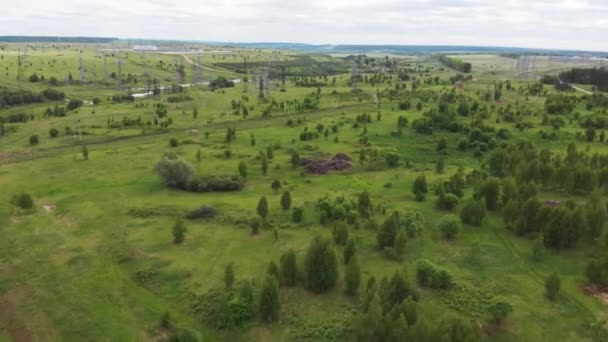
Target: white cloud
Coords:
[(568, 24)]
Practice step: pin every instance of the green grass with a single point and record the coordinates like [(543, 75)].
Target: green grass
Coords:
[(73, 269)]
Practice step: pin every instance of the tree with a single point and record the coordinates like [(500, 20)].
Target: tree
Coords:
[(295, 159), (273, 270), (490, 191), (269, 304), (264, 164), (199, 155), (340, 234), (399, 244), (85, 152), (473, 213), (364, 203), (392, 159), (289, 268), (270, 152), (449, 226), (34, 139), (229, 276), (352, 276), (442, 144), (297, 214), (243, 169), (286, 200), (179, 232), (53, 132), (552, 286), (499, 309), (174, 171), (440, 165), (173, 142), (320, 266), (262, 208), (420, 188), (350, 250), (276, 185)]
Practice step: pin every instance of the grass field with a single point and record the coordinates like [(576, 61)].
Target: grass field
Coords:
[(70, 266)]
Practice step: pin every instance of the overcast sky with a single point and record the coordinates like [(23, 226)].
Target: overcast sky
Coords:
[(565, 24)]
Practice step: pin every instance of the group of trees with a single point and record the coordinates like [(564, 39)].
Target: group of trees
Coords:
[(178, 173), (456, 63), (14, 97)]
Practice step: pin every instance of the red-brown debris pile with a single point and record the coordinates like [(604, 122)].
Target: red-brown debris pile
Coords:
[(339, 162)]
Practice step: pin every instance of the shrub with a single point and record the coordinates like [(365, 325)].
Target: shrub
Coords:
[(203, 212), (173, 142), (34, 140), (289, 268), (429, 276), (297, 214), (23, 200), (179, 232), (473, 213), (420, 188), (449, 226), (175, 172), (499, 309), (53, 132)]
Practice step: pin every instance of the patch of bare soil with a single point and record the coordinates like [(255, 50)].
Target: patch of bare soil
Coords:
[(10, 322), (598, 291), (48, 208)]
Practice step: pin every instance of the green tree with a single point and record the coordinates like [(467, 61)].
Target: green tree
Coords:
[(179, 232), (198, 155), (473, 212), (449, 226), (173, 142), (85, 152), (270, 152), (490, 191), (276, 185), (34, 139), (243, 169), (53, 132), (273, 270), (264, 164), (340, 234), (552, 286), (174, 171), (289, 268), (269, 305), (262, 208), (286, 200), (499, 309), (229, 276), (349, 250), (352, 276), (420, 188), (320, 265), (440, 165), (295, 159), (400, 242)]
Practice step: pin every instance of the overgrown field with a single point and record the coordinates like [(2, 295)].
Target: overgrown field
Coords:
[(147, 219)]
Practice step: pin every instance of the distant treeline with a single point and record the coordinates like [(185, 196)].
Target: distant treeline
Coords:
[(456, 64), (15, 97), (595, 76), (54, 39)]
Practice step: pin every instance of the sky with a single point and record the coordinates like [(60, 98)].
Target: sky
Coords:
[(554, 24)]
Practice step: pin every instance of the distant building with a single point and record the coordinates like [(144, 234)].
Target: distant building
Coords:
[(145, 47)]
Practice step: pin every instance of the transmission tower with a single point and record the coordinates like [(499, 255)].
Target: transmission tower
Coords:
[(83, 77), (119, 76), (197, 71)]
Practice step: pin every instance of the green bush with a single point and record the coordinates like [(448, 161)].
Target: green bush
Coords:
[(23, 201)]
